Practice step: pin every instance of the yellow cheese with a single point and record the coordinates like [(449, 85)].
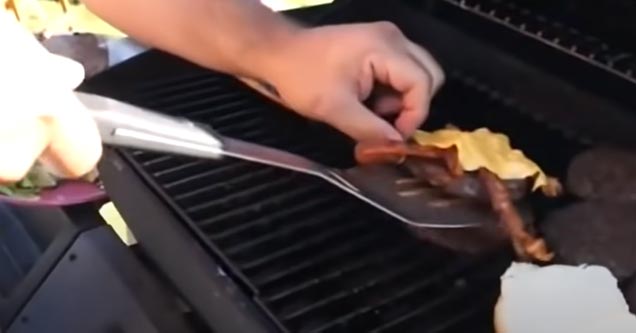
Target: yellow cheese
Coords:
[(484, 149)]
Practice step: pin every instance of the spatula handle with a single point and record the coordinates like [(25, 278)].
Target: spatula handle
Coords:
[(125, 125)]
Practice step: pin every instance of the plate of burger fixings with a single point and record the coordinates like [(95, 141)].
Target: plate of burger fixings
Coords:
[(41, 187)]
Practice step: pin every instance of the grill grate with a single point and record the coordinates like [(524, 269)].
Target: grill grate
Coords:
[(315, 259), (594, 51), (552, 43)]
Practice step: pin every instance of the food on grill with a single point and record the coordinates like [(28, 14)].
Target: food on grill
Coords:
[(559, 299), (474, 241), (483, 149), (594, 233), (473, 165), (468, 185), (603, 173)]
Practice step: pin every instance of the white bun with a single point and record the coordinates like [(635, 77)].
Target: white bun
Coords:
[(561, 299)]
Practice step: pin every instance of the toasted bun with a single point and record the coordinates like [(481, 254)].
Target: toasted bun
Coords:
[(561, 299)]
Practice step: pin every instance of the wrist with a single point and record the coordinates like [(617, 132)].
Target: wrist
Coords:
[(261, 59)]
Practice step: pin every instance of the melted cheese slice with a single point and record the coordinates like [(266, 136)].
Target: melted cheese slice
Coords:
[(485, 149)]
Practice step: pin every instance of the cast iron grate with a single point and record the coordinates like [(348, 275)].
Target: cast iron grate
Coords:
[(313, 258), (568, 40), (545, 34)]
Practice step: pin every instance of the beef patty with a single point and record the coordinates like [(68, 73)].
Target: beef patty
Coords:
[(490, 236), (603, 173), (595, 233)]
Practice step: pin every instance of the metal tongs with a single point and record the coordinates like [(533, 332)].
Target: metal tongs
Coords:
[(125, 125)]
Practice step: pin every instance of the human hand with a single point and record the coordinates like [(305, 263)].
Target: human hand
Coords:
[(40, 118), (326, 74)]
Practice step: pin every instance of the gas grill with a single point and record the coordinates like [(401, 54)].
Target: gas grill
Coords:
[(251, 248)]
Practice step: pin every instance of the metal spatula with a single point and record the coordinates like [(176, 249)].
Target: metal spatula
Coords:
[(126, 125)]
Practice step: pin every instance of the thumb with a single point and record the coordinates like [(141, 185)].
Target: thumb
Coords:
[(75, 145), (347, 114), (63, 73)]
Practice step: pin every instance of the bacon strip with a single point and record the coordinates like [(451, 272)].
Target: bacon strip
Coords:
[(526, 245), (397, 152)]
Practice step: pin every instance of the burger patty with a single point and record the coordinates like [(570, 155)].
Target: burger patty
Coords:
[(594, 233), (467, 186), (491, 235), (603, 173)]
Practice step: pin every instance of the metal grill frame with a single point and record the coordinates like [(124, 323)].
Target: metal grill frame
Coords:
[(189, 264)]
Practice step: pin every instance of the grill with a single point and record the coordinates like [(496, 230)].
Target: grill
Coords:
[(289, 253)]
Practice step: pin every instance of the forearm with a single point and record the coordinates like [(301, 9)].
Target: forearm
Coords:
[(233, 36)]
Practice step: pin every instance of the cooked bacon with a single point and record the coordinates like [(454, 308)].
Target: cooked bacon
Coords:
[(526, 245), (441, 168), (397, 152)]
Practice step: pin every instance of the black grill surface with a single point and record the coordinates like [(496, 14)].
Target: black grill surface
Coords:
[(312, 258)]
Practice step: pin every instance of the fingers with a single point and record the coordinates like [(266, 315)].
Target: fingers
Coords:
[(403, 74), (53, 127), (63, 74), (348, 115), (428, 63), (75, 146), (387, 105), (21, 142), (384, 100), (67, 144), (39, 115)]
